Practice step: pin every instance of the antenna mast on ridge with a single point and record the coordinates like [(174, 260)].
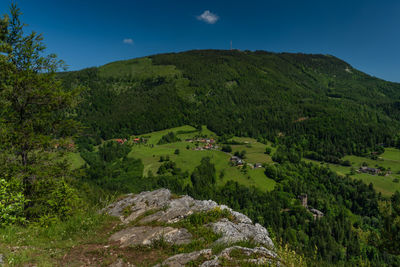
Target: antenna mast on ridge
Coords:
[(231, 44)]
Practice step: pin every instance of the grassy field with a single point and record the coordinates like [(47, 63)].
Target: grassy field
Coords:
[(255, 151), (140, 68), (188, 158), (384, 184), (75, 159)]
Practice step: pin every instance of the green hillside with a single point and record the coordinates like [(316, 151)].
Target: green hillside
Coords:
[(317, 102), (188, 158), (386, 184)]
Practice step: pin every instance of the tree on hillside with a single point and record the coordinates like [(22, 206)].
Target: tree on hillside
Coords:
[(35, 111), (203, 179)]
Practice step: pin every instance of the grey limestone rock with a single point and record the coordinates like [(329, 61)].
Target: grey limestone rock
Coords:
[(163, 211), (146, 235), (258, 256), (180, 260), (235, 232)]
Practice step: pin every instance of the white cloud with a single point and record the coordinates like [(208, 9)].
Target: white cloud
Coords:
[(128, 41), (208, 17)]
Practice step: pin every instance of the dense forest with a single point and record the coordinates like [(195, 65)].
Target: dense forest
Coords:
[(316, 101)]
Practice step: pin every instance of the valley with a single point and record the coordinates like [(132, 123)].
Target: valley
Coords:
[(188, 158)]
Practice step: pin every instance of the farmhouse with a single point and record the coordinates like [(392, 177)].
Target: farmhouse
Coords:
[(204, 140), (236, 161), (138, 140), (257, 165), (365, 169), (206, 147), (120, 141)]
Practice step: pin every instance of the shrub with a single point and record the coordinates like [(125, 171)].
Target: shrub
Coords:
[(227, 148), (168, 138), (12, 203), (54, 200)]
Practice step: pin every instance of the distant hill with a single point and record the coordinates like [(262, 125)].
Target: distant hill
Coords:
[(318, 103)]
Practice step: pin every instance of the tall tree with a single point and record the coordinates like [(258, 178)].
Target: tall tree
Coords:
[(36, 112)]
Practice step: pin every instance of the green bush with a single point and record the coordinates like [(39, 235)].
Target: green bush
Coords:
[(54, 200), (12, 203), (168, 138), (227, 148)]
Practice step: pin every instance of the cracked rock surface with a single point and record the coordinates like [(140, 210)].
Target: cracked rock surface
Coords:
[(146, 235), (151, 216)]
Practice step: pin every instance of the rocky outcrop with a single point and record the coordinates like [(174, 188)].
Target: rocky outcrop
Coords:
[(233, 255), (147, 235), (235, 232), (184, 258), (170, 210), (237, 254), (151, 216)]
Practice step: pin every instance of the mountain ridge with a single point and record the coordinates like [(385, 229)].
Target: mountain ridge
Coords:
[(258, 94)]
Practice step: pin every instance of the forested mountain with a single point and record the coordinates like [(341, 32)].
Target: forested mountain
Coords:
[(318, 102)]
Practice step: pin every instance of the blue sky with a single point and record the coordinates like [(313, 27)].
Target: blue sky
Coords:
[(84, 33)]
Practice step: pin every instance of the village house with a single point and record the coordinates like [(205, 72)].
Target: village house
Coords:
[(138, 140), (204, 140), (206, 147), (120, 141), (365, 169), (236, 161), (257, 165)]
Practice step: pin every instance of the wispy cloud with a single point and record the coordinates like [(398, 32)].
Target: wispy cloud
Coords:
[(128, 41), (208, 17)]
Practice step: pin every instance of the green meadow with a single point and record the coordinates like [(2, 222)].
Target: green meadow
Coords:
[(387, 185), (188, 158), (140, 68)]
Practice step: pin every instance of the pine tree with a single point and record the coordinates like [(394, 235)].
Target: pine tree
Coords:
[(36, 112)]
